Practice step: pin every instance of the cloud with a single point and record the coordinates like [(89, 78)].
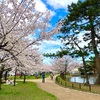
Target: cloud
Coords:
[(52, 13), (41, 7), (50, 46), (57, 4), (52, 42), (47, 60)]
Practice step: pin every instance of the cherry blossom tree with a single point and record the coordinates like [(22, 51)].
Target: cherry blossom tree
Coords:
[(30, 62), (64, 65), (21, 27), (45, 68)]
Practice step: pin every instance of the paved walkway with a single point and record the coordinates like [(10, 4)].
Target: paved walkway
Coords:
[(64, 93)]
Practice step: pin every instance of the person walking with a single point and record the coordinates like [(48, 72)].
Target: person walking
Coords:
[(43, 77), (51, 75)]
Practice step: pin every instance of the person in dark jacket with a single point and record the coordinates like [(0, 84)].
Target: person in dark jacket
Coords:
[(43, 77)]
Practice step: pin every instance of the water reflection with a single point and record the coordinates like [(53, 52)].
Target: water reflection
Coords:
[(79, 79)]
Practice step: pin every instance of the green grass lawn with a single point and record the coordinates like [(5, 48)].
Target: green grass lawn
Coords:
[(24, 91)]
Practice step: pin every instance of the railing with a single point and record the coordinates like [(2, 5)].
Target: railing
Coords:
[(78, 86)]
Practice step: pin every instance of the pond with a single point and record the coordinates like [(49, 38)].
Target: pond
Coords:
[(80, 79)]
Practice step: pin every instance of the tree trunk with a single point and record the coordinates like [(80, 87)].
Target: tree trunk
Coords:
[(6, 75), (21, 74), (85, 72), (1, 72), (95, 50), (63, 76), (98, 70), (15, 77), (24, 78), (0, 80)]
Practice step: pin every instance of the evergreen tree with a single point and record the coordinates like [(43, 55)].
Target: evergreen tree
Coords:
[(83, 19)]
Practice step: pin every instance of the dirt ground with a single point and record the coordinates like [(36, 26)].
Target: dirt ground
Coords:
[(64, 93)]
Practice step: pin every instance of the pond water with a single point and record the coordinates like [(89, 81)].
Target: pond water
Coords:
[(79, 79)]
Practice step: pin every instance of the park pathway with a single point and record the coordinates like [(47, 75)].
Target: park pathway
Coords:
[(64, 93)]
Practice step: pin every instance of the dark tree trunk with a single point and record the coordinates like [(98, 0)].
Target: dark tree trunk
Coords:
[(6, 73), (63, 75), (87, 79), (15, 77), (0, 79), (98, 70), (21, 74), (24, 78), (1, 72), (97, 60)]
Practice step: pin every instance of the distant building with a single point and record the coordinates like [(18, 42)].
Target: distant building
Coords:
[(75, 72)]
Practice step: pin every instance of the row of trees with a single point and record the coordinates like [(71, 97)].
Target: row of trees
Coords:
[(21, 27)]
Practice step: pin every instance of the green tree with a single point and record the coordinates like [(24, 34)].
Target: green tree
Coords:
[(76, 51), (84, 16)]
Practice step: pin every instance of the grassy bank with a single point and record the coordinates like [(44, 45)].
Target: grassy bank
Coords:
[(24, 91)]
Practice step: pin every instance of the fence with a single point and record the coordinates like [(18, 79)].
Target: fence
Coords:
[(77, 86)]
